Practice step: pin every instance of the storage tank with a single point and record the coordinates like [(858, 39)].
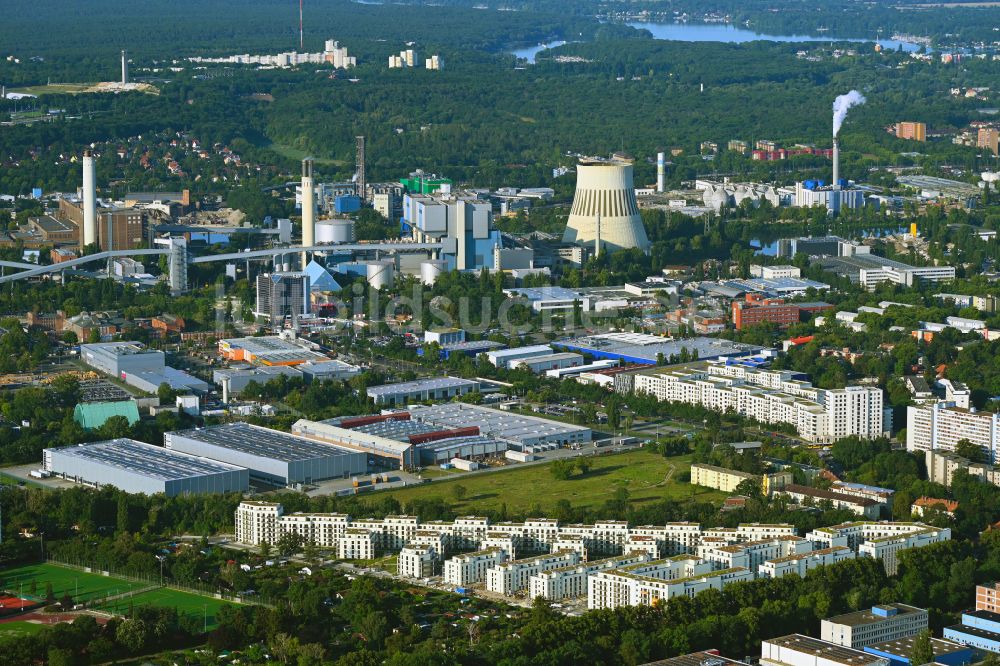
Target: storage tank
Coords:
[(334, 231), (431, 270), (381, 274)]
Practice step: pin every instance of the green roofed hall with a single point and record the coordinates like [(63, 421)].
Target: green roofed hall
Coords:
[(92, 415)]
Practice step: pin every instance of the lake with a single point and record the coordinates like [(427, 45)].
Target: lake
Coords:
[(731, 34), (716, 32), (530, 52)]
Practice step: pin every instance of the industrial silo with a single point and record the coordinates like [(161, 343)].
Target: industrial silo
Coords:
[(334, 231), (381, 274), (431, 270)]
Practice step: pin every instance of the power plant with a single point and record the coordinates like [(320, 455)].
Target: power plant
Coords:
[(89, 235), (308, 207), (604, 208)]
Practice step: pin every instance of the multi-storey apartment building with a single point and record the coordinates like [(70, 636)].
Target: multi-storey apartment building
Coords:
[(571, 581), (800, 563), (416, 562), (471, 568), (649, 583), (882, 541), (820, 415), (940, 426), (512, 577)]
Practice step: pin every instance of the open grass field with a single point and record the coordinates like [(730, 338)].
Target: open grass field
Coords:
[(80, 585), (186, 603), (646, 475), (19, 628), (56, 89)]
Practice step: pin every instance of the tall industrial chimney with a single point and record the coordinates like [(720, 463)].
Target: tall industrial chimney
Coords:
[(308, 207), (836, 165), (89, 234), (661, 172), (362, 179), (124, 67)]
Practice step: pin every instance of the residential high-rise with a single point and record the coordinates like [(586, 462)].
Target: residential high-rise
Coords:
[(281, 295), (941, 426), (989, 137), (604, 191), (912, 131)]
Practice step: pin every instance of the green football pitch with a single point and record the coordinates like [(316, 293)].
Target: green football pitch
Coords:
[(196, 606), (80, 585)]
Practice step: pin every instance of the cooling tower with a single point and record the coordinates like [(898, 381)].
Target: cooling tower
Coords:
[(604, 189), (89, 234)]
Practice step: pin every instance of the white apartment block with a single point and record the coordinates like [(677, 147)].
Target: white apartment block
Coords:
[(571, 581), (512, 577), (750, 532), (471, 568), (505, 541), (356, 544), (941, 468), (751, 554), (643, 544), (321, 529), (819, 415), (574, 542), (416, 561), (940, 426), (801, 563), (881, 540), (886, 622), (799, 650), (650, 583), (257, 522)]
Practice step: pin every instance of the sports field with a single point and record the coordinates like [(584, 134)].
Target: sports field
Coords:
[(194, 605), (19, 628), (78, 584), (646, 476)]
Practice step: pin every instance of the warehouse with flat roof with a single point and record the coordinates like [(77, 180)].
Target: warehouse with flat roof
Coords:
[(136, 467), (421, 390), (383, 451), (271, 455), (526, 431), (645, 349)]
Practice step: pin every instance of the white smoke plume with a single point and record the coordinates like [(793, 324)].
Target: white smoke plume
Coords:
[(841, 105)]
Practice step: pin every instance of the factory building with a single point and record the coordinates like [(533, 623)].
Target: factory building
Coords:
[(547, 362), (885, 622), (139, 366), (503, 358), (136, 467), (650, 349), (270, 351), (461, 221), (434, 445), (421, 390), (799, 650), (605, 213), (521, 430), (382, 451), (270, 455)]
